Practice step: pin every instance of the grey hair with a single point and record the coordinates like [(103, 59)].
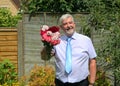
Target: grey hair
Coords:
[(65, 16)]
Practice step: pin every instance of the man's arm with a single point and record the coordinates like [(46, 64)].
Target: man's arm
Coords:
[(92, 71)]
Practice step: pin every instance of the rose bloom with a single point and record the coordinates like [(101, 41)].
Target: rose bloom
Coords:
[(50, 35)]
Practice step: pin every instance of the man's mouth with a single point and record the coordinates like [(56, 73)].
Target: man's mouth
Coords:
[(69, 28)]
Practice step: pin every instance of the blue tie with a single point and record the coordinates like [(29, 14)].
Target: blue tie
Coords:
[(68, 65)]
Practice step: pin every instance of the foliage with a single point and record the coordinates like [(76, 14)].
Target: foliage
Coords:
[(33, 6), (114, 51), (13, 84), (102, 79), (6, 18), (39, 76), (8, 73), (42, 76), (117, 75), (104, 15)]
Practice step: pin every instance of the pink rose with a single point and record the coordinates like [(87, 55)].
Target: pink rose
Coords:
[(50, 34)]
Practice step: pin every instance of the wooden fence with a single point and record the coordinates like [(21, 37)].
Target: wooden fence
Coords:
[(8, 45)]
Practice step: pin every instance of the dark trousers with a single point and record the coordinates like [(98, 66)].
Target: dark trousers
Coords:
[(84, 82)]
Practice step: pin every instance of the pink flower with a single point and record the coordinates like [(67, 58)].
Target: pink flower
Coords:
[(50, 35), (55, 42), (46, 37)]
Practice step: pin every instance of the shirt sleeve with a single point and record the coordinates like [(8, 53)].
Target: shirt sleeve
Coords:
[(91, 50)]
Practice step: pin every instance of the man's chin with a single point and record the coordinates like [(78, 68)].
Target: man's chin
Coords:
[(69, 33)]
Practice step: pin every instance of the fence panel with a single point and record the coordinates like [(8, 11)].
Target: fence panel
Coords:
[(8, 45)]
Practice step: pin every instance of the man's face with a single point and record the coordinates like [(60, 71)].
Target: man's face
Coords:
[(68, 26)]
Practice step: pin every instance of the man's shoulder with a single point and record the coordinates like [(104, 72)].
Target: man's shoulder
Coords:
[(78, 35)]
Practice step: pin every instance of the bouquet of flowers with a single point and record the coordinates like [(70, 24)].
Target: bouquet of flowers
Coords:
[(50, 37)]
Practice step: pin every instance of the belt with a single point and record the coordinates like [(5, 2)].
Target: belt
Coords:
[(71, 84)]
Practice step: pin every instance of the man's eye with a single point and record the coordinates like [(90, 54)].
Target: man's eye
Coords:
[(64, 23)]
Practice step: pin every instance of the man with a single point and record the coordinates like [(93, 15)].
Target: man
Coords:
[(83, 62)]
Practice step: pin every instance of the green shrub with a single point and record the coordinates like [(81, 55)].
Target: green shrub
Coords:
[(42, 76), (102, 79), (8, 74), (6, 18)]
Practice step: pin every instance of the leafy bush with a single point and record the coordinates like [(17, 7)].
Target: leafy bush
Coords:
[(8, 74), (6, 18), (45, 75), (42, 76), (104, 15), (117, 75), (102, 79), (33, 6)]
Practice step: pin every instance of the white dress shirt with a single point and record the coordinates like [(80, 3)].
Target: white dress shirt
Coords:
[(82, 51)]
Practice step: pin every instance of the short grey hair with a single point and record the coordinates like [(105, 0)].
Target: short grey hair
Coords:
[(65, 16)]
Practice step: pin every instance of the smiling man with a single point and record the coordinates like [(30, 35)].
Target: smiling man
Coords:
[(74, 56)]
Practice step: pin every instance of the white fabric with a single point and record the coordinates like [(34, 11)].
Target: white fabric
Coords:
[(82, 51)]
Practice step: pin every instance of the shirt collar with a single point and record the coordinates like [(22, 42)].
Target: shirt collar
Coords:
[(74, 36)]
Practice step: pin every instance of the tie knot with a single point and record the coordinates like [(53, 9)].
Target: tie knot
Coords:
[(69, 39)]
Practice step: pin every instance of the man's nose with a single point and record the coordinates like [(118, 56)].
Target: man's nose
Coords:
[(68, 25)]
